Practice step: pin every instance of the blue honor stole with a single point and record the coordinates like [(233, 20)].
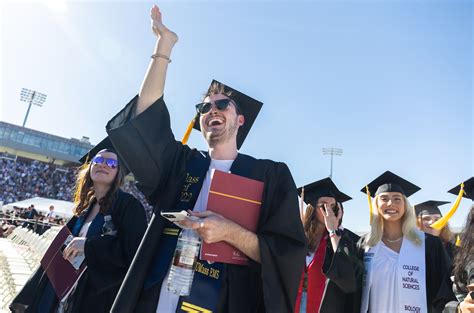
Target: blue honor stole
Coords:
[(196, 169), (206, 288), (208, 277)]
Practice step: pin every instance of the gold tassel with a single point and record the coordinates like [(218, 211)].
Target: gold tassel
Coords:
[(302, 203), (370, 203), (441, 223), (458, 241), (188, 131)]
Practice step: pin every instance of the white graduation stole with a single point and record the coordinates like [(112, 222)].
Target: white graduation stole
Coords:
[(411, 275)]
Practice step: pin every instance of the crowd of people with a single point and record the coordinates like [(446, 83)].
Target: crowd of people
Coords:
[(23, 179)]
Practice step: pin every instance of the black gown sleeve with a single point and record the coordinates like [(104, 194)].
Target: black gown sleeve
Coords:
[(282, 242), (147, 146), (108, 251), (437, 269), (343, 267), (108, 257)]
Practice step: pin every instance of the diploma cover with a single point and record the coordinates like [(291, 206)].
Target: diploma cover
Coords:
[(238, 199), (61, 273)]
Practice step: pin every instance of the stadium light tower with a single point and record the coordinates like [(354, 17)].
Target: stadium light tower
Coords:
[(33, 97), (332, 152)]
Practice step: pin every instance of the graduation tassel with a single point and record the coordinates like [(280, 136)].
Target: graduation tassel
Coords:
[(458, 241), (188, 130), (370, 203), (302, 203), (441, 223)]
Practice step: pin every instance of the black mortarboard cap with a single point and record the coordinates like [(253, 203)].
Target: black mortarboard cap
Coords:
[(249, 107), (468, 189), (389, 182), (322, 188), (104, 144), (429, 207)]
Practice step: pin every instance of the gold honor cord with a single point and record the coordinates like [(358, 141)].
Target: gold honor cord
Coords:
[(370, 203), (188, 130), (191, 308), (302, 203), (439, 224)]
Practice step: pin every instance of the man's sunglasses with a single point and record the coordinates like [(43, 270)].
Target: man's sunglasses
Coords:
[(112, 163), (205, 107)]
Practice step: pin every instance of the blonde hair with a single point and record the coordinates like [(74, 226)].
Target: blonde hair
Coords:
[(409, 228)]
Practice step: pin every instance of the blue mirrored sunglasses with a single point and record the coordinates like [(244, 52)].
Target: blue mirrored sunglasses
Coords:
[(112, 163)]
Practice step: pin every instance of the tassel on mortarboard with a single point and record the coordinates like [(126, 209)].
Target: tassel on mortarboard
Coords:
[(441, 223), (189, 129), (370, 204)]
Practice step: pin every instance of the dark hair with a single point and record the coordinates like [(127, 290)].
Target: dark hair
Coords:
[(84, 189), (464, 254), (217, 88)]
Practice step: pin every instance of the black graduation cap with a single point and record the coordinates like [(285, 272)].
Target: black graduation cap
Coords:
[(389, 182), (468, 189), (104, 144), (322, 188), (429, 207), (249, 107)]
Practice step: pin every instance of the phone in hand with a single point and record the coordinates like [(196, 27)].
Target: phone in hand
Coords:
[(175, 216)]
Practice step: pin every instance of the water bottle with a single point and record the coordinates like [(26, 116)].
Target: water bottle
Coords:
[(108, 228), (180, 278)]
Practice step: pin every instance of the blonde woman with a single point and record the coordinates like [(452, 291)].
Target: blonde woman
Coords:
[(403, 266)]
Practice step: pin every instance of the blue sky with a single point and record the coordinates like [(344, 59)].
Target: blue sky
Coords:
[(390, 82)]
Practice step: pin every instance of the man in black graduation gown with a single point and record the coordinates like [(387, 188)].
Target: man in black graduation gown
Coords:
[(174, 177)]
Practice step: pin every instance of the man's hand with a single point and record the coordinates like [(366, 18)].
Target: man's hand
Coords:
[(213, 227), (74, 248), (210, 226), (157, 26)]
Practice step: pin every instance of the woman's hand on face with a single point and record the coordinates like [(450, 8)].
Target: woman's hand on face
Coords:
[(159, 29), (74, 248), (330, 219)]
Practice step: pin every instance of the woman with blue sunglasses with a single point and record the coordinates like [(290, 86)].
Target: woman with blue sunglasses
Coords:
[(107, 225)]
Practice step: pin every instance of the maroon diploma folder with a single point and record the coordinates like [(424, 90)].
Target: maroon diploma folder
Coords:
[(61, 272), (238, 199)]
